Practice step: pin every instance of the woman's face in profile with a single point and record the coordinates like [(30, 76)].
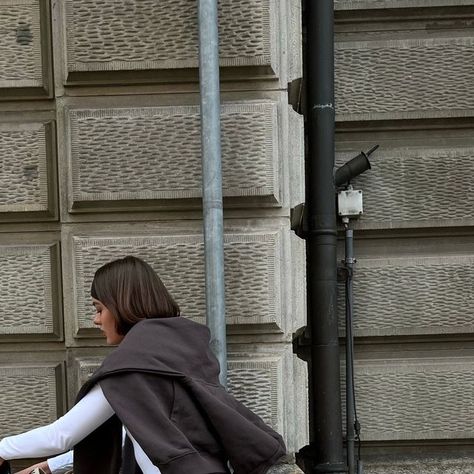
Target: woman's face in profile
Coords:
[(106, 322)]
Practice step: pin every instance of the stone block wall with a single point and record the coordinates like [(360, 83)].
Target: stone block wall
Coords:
[(404, 80), (100, 158)]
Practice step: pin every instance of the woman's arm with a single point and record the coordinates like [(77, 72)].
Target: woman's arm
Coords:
[(83, 418), (57, 465), (43, 465)]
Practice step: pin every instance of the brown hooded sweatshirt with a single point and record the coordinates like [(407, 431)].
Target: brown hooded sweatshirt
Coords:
[(162, 382)]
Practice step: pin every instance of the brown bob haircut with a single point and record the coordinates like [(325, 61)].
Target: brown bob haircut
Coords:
[(131, 290)]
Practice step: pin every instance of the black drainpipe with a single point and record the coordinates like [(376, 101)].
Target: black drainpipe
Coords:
[(325, 452)]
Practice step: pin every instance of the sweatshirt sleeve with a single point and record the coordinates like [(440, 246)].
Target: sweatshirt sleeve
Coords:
[(83, 418)]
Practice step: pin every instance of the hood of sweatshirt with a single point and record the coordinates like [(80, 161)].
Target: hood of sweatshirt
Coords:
[(174, 346)]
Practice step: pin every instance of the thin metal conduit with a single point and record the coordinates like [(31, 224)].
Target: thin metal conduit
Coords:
[(212, 180)]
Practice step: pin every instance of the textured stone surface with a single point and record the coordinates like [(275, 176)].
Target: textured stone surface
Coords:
[(27, 305), (121, 35), (118, 43), (295, 157), (378, 4), (257, 383), (415, 399), (284, 469), (20, 44), (23, 167), (418, 185), (421, 466), (253, 265), (295, 35), (406, 77), (85, 367), (37, 404), (155, 152), (297, 305), (404, 296), (269, 381)]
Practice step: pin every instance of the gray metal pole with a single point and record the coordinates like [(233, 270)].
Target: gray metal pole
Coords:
[(212, 180)]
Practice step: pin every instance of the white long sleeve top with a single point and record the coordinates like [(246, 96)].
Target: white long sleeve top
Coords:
[(62, 435), (62, 463)]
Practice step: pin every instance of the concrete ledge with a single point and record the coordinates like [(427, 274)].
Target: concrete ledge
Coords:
[(285, 469), (460, 465)]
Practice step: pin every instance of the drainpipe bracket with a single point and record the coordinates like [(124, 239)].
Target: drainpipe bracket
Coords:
[(299, 220), (344, 273), (302, 344)]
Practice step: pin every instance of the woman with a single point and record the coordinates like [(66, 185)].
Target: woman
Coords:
[(161, 385)]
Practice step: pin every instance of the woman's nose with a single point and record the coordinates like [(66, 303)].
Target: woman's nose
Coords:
[(96, 319)]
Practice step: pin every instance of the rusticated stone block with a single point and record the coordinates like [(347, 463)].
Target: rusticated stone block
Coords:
[(415, 399), (29, 304), (152, 155), (270, 384), (258, 276), (379, 4), (145, 35), (38, 404), (85, 367), (24, 55), (418, 185), (20, 58), (256, 383), (26, 157), (295, 35), (412, 296), (295, 157), (404, 78)]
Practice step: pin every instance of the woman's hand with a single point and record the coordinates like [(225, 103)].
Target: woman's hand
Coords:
[(43, 465)]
